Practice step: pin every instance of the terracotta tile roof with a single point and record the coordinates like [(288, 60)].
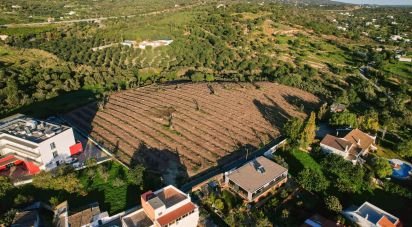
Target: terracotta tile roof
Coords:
[(249, 178), (179, 212), (336, 142), (385, 222), (363, 140)]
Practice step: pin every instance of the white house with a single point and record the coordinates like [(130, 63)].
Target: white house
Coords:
[(154, 44), (3, 37), (369, 215), (129, 43), (341, 28), (351, 147), (404, 59), (396, 37), (166, 207), (35, 144)]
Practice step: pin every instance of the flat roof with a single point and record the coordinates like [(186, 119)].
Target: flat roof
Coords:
[(374, 214), (250, 178), (30, 129), (137, 218)]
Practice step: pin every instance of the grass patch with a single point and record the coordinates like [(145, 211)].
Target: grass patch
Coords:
[(111, 189), (299, 160), (402, 69)]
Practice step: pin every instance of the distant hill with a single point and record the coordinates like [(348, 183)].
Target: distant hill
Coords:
[(311, 2)]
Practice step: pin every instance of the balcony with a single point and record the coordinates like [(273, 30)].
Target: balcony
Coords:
[(17, 150), (265, 189)]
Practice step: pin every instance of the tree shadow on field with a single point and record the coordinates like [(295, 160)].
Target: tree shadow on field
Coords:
[(241, 153), (82, 118), (301, 104), (274, 114), (164, 163)]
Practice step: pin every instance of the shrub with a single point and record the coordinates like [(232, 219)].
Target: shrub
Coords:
[(54, 201), (117, 182), (197, 77), (333, 204), (210, 77), (21, 199)]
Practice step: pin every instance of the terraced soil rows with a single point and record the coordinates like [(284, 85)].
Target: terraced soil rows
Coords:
[(189, 126)]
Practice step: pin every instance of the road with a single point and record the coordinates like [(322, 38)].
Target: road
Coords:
[(99, 19), (221, 169)]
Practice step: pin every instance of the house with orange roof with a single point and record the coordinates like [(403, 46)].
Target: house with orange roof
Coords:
[(351, 147), (166, 207), (369, 215)]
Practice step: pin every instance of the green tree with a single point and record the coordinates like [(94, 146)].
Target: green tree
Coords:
[(333, 204), (312, 180), (405, 148), (279, 160), (5, 186), (322, 111), (344, 176), (345, 118), (218, 204), (381, 167), (210, 77), (292, 129), (369, 122), (285, 214), (61, 182), (135, 176), (309, 132), (197, 77), (7, 218)]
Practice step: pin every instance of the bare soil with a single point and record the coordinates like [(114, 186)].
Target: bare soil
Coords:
[(189, 128)]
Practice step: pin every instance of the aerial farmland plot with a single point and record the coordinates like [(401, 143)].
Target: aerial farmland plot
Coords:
[(181, 130)]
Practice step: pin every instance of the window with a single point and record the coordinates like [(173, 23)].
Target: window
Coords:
[(54, 154), (53, 146)]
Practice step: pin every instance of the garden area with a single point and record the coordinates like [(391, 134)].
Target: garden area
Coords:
[(330, 176), (110, 184)]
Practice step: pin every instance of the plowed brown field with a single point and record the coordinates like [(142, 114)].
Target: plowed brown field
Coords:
[(188, 128)]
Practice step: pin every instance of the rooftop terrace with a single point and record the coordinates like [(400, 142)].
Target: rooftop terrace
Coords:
[(374, 214), (28, 128)]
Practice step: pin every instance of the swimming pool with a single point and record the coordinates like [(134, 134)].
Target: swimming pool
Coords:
[(400, 169)]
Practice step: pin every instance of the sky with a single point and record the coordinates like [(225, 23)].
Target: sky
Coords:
[(379, 2)]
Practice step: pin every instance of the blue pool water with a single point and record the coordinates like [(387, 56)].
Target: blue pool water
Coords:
[(402, 172)]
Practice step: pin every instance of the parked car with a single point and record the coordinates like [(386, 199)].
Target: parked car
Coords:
[(70, 160), (77, 165)]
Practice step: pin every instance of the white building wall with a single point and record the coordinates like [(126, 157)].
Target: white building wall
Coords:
[(63, 142), (328, 149), (33, 148)]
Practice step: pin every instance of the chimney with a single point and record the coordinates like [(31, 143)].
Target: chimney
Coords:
[(346, 148), (359, 142)]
